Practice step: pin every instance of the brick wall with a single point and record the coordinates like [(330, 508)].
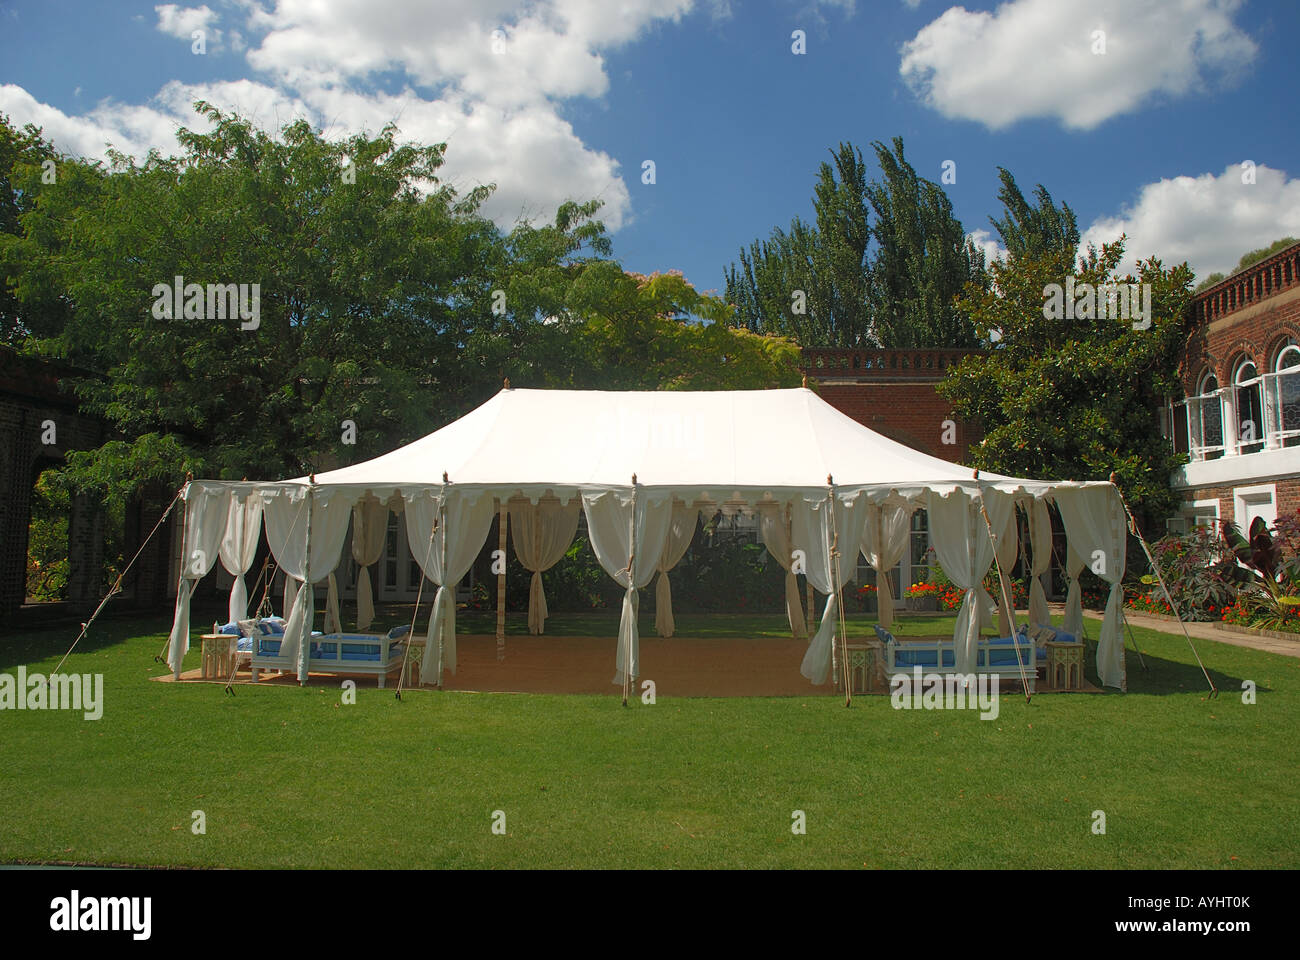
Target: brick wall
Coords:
[(1249, 315), (30, 398), (893, 393)]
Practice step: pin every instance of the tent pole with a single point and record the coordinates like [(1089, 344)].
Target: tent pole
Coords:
[(442, 570), (1137, 532), (1006, 599), (631, 580), (840, 666), (501, 583), (162, 657), (304, 648)]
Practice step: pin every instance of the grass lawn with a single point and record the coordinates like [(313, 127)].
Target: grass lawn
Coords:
[(289, 777)]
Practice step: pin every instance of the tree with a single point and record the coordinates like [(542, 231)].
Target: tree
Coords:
[(377, 304), (923, 260), (1074, 398), (811, 283), (1034, 231), (25, 158)]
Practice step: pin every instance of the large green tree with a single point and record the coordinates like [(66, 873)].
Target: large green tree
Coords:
[(1074, 397), (843, 281), (388, 306), (1034, 230), (811, 282), (923, 259)]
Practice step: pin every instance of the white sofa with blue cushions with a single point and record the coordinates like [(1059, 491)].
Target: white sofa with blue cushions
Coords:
[(994, 655), (362, 654)]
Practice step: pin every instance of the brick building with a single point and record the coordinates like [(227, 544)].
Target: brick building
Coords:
[(893, 393), (1239, 417)]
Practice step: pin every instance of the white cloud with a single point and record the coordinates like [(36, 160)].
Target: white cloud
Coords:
[(1035, 59), (984, 240), (499, 112), (181, 22), (1208, 220)]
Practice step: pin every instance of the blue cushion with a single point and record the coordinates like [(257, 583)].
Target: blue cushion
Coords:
[(401, 631), (231, 629)]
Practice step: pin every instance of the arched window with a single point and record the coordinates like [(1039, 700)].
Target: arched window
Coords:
[(1205, 419), (1250, 407), (1285, 415)]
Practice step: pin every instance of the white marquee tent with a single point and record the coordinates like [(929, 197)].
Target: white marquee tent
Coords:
[(642, 466)]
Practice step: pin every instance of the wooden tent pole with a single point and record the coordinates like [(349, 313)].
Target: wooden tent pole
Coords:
[(501, 584)]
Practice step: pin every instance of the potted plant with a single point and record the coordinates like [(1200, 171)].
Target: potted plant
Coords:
[(869, 597), (922, 597)]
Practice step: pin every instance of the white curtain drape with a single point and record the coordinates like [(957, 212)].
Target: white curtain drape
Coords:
[(288, 593), (1094, 521), (775, 531), (884, 539), (1073, 621), (964, 550), (238, 547), (610, 520), (206, 513), (288, 516), (813, 532), (369, 528), (445, 558), (1008, 548), (1040, 545), (681, 530), (542, 533)]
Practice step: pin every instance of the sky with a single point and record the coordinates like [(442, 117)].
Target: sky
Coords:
[(1170, 121)]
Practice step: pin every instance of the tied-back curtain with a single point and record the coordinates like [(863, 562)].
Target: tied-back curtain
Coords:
[(1073, 620), (1040, 546), (814, 533), (1008, 548), (884, 539), (445, 549), (1094, 522), (775, 532), (964, 550), (610, 517), (542, 533), (238, 547), (286, 514), (681, 530), (369, 528), (206, 513), (288, 595)]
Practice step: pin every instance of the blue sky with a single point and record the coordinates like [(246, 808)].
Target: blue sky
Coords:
[(571, 96)]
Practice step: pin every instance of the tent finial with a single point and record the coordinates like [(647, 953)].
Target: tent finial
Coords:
[(977, 473), (312, 478), (634, 479), (830, 481), (444, 477), (1113, 479), (506, 384), (189, 476), (805, 381)]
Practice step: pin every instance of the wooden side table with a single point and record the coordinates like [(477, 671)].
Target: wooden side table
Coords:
[(218, 655), (865, 663), (1064, 665)]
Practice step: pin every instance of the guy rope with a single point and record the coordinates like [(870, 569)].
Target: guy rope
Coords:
[(1137, 532), (117, 584)]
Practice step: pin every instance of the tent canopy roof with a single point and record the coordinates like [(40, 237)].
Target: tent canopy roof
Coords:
[(718, 441)]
